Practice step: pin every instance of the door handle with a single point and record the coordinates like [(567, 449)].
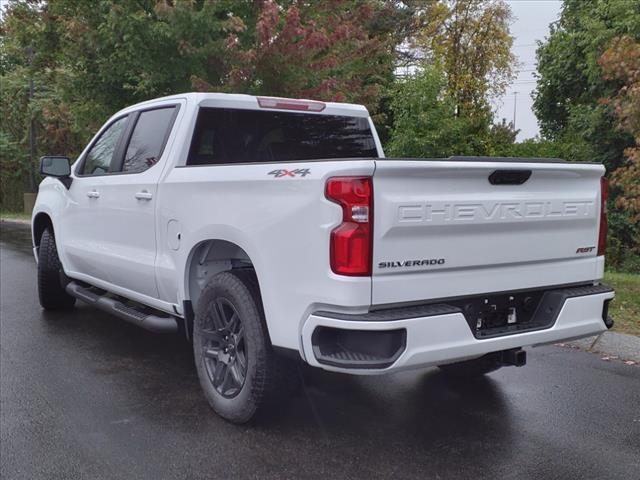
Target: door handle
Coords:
[(93, 194), (144, 195)]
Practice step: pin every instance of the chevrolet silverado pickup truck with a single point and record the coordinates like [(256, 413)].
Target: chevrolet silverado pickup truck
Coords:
[(269, 229)]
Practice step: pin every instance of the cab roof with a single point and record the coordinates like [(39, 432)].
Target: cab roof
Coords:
[(251, 102)]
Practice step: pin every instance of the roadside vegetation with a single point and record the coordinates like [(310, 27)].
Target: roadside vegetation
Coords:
[(625, 308), (427, 72), (14, 216)]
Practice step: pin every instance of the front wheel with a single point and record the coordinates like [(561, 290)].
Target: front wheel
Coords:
[(51, 292), (238, 370)]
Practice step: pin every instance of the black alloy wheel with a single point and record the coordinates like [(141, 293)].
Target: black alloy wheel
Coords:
[(224, 349)]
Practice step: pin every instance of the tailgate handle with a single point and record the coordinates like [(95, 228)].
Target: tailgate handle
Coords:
[(509, 177)]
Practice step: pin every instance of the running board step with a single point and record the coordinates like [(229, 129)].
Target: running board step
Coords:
[(151, 322)]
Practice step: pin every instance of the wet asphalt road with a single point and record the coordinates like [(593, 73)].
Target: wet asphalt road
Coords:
[(85, 395)]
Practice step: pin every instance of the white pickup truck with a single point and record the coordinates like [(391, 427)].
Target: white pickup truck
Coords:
[(266, 229)]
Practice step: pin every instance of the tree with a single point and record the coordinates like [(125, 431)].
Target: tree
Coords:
[(94, 57), (502, 137), (425, 120), (570, 82), (470, 40), (536, 148), (579, 98), (334, 50), (621, 61)]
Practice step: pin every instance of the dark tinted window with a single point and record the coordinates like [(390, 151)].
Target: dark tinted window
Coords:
[(98, 159), (245, 136), (147, 139)]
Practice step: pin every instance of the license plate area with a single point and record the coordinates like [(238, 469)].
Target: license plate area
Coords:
[(504, 314), (500, 314)]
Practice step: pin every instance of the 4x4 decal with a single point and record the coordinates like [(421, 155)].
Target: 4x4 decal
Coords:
[(302, 172)]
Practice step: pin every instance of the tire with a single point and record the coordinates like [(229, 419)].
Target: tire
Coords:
[(51, 292), (473, 368), (239, 372)]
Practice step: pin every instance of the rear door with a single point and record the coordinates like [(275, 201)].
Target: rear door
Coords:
[(454, 228)]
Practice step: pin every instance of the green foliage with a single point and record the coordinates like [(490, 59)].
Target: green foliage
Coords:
[(13, 173), (571, 83), (625, 308), (502, 138), (622, 247), (425, 121), (585, 102), (536, 148), (90, 58), (470, 39), (622, 62), (443, 109)]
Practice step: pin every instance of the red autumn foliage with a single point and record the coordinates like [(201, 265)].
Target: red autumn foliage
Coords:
[(320, 50), (622, 62)]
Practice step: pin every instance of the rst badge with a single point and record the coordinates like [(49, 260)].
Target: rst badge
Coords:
[(298, 172)]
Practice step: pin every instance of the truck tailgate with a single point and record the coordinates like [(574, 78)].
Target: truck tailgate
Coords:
[(444, 229)]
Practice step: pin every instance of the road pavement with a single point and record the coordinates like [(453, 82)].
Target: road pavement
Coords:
[(85, 395)]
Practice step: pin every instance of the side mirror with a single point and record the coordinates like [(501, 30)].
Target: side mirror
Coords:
[(58, 167), (55, 166)]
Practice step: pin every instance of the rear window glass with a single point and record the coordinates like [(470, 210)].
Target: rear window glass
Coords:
[(252, 136), (147, 140)]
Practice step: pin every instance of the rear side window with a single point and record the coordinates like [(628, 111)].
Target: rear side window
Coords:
[(224, 136), (148, 139)]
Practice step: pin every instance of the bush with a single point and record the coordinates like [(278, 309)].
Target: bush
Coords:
[(425, 121), (623, 243)]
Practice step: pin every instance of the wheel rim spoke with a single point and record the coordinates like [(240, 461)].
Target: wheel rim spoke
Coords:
[(236, 375), (241, 359), (234, 323), (220, 314), (219, 374), (211, 335), (240, 335), (226, 380)]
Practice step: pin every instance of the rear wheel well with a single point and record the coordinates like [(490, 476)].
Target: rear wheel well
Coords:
[(209, 258), (41, 222)]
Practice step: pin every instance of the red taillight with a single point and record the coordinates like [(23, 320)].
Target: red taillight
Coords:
[(291, 104), (351, 241), (602, 236)]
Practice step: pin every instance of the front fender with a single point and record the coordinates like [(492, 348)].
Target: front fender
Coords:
[(50, 201)]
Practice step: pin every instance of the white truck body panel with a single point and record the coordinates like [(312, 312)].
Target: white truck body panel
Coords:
[(492, 238), (283, 225)]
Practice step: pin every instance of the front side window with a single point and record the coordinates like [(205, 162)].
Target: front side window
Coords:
[(99, 158), (224, 136), (147, 139)]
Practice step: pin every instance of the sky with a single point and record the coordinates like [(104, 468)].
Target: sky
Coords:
[(531, 23)]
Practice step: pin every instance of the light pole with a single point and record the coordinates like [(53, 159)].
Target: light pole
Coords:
[(515, 96)]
